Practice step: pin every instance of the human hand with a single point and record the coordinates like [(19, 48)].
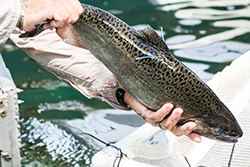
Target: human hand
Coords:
[(63, 12), (156, 118)]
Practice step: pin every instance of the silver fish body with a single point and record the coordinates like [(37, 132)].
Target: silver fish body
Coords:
[(146, 69)]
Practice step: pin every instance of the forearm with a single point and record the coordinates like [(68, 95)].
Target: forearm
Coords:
[(78, 67)]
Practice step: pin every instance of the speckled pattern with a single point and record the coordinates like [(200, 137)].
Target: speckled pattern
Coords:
[(146, 69)]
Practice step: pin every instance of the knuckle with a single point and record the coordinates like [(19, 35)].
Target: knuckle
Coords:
[(169, 127), (158, 118), (67, 18), (80, 11), (75, 18)]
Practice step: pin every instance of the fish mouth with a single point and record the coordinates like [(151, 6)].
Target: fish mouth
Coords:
[(229, 139)]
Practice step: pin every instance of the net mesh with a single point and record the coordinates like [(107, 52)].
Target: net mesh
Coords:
[(220, 152)]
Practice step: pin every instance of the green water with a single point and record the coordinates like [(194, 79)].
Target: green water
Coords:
[(52, 110)]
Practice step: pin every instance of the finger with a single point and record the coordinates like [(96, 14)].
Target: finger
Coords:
[(30, 20), (135, 105), (195, 137), (171, 121), (183, 129), (187, 129), (72, 10), (162, 112), (159, 115), (78, 6), (68, 11), (78, 10), (60, 20), (62, 32), (155, 118)]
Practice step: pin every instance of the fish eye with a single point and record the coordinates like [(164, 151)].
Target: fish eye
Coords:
[(234, 133), (218, 130)]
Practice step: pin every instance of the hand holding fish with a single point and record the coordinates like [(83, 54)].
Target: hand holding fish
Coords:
[(60, 12), (157, 118)]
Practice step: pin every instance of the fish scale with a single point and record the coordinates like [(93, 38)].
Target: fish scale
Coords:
[(146, 69)]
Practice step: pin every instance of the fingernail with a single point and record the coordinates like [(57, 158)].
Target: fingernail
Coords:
[(65, 35), (170, 105), (179, 111)]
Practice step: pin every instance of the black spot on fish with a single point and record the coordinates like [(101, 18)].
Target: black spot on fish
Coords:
[(109, 18), (91, 19), (120, 39), (130, 36)]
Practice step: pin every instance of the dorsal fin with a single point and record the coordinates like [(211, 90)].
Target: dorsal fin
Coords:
[(152, 38)]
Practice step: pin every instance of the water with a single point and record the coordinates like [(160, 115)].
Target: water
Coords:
[(205, 36)]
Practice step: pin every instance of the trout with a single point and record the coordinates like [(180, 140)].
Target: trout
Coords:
[(146, 69)]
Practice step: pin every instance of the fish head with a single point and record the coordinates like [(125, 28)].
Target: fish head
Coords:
[(218, 127)]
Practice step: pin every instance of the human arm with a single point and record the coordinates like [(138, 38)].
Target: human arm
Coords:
[(156, 118)]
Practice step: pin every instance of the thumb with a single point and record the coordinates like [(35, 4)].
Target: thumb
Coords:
[(63, 32)]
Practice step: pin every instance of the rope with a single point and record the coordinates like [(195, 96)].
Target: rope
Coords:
[(107, 145), (231, 156), (187, 161)]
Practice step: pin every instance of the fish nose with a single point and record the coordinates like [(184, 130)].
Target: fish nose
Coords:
[(238, 132), (234, 131)]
